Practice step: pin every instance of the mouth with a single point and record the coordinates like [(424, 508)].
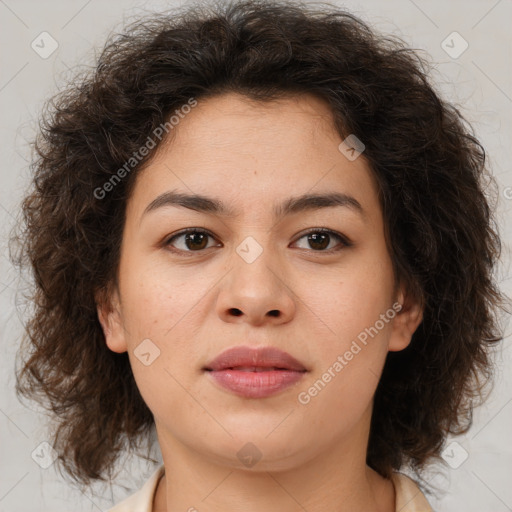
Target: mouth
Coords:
[(254, 359), (255, 373), (252, 369)]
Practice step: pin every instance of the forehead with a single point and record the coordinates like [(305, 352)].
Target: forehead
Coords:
[(251, 151), (214, 117)]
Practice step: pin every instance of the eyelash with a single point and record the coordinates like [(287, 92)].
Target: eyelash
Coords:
[(343, 239)]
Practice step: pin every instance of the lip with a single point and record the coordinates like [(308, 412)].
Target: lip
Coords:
[(267, 371), (263, 357)]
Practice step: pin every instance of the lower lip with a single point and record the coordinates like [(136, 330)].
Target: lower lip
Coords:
[(256, 384)]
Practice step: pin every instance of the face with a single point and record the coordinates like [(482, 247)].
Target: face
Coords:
[(314, 280)]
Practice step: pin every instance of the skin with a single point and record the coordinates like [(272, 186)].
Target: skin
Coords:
[(252, 156)]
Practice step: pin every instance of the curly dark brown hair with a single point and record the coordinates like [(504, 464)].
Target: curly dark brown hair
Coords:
[(433, 180)]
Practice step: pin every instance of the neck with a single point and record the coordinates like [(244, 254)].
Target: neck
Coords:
[(373, 494), (337, 479)]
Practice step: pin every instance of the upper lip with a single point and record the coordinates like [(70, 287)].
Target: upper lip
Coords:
[(262, 357)]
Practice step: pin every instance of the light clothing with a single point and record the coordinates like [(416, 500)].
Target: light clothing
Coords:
[(409, 498)]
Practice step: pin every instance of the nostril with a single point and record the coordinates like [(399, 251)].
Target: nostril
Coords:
[(235, 311)]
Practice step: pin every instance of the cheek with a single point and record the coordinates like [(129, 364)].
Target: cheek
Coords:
[(160, 351), (156, 298), (350, 358), (160, 308), (354, 316), (352, 300)]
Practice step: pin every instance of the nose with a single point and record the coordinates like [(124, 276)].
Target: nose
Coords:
[(256, 293)]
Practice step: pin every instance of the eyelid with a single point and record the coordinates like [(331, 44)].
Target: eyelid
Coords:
[(343, 238), (167, 240)]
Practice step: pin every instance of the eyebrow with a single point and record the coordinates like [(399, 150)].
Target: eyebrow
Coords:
[(212, 206)]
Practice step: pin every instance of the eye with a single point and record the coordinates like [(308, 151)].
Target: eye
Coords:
[(320, 239), (193, 239)]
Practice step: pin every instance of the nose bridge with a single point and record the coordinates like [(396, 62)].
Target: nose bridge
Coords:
[(254, 261)]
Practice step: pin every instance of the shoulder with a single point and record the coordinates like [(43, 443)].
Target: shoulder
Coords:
[(409, 497), (142, 500)]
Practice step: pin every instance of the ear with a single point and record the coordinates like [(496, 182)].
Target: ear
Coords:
[(108, 308), (406, 320)]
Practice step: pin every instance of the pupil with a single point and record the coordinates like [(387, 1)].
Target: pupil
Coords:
[(315, 237), (194, 238)]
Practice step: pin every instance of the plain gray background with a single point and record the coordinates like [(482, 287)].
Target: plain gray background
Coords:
[(478, 475)]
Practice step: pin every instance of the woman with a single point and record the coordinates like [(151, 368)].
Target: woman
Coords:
[(257, 229)]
